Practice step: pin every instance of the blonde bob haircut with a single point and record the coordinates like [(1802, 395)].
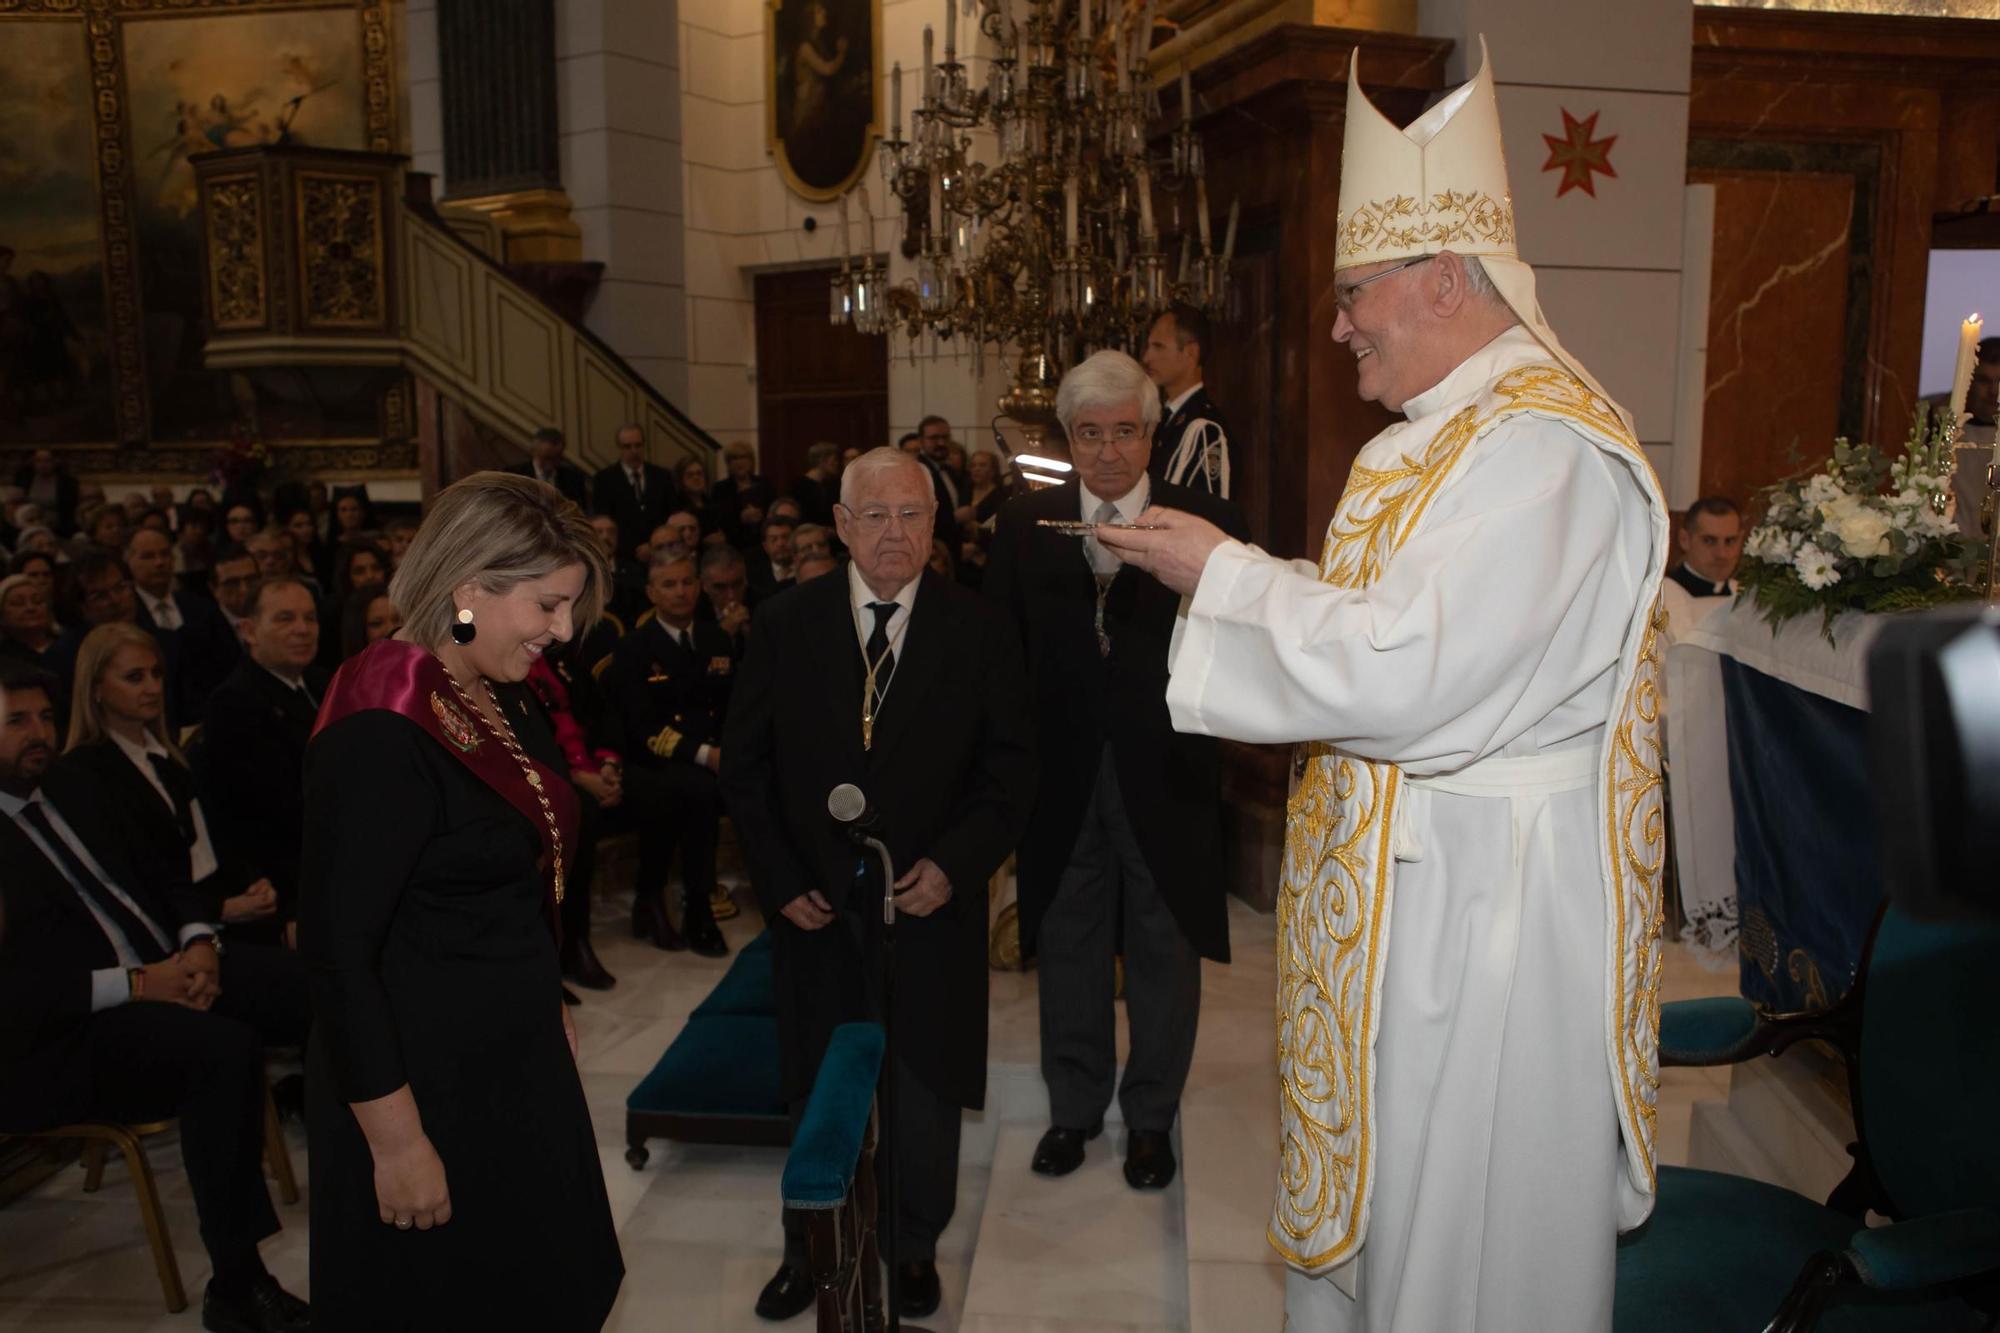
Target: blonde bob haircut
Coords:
[(93, 659), (499, 529)]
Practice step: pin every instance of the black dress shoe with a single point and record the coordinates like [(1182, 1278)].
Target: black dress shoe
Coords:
[(1149, 1159), (581, 964), (787, 1294), (262, 1307), (918, 1292), (705, 938), (1061, 1150), (649, 922)]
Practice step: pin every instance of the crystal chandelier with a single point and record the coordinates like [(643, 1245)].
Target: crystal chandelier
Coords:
[(1052, 251)]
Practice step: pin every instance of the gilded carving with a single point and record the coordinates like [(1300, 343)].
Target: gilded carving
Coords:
[(340, 250), (1403, 222), (235, 225)]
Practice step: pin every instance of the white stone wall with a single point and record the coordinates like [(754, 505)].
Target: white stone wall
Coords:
[(742, 218), (423, 106), (1608, 264)]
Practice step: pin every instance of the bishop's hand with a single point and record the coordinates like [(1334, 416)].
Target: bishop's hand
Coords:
[(1170, 544)]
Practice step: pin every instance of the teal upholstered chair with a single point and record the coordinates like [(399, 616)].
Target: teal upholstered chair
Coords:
[(829, 1175), (718, 1082), (1920, 1032)]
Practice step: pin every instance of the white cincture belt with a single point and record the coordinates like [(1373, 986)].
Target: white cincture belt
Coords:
[(1498, 777)]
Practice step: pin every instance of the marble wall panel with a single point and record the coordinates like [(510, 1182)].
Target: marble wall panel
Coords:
[(1776, 340)]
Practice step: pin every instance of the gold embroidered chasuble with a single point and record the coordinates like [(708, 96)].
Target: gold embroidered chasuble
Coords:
[(1341, 844)]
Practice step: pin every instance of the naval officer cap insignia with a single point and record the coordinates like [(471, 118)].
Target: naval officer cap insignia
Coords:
[(1439, 185)]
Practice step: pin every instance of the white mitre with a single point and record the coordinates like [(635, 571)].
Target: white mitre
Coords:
[(1440, 185)]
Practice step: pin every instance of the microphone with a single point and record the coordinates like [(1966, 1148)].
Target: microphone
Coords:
[(848, 805)]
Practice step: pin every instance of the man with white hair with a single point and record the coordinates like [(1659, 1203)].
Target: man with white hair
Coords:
[(909, 687), (1128, 826), (1467, 1100)]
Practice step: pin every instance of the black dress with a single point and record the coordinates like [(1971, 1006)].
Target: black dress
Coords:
[(423, 919)]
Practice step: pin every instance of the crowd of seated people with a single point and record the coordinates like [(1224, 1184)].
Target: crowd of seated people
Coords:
[(249, 603)]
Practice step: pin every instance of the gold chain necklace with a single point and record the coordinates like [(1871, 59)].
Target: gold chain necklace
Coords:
[(505, 735)]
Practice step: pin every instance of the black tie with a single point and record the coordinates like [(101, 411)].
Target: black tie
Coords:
[(178, 785), (879, 655), (686, 640), (639, 486), (142, 935)]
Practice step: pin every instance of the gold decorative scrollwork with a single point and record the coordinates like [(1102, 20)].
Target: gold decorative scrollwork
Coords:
[(1403, 224), (1635, 806), (234, 220), (340, 250)]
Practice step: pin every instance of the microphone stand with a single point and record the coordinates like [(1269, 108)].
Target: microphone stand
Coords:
[(886, 1089)]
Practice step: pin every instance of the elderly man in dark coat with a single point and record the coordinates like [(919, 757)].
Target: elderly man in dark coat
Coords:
[(1128, 827), (911, 688)]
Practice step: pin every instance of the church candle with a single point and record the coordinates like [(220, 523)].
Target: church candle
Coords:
[(896, 102), (1201, 211), (1229, 236), (926, 98), (1069, 212), (1145, 201), (1083, 18), (1187, 96), (1968, 354), (950, 28)]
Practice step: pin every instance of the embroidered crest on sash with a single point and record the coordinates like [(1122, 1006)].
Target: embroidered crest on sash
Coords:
[(457, 727)]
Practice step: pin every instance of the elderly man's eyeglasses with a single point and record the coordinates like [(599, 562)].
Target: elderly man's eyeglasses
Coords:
[(1343, 293), (1096, 437), (874, 518)]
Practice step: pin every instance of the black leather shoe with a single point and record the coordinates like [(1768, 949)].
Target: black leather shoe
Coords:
[(1061, 1150), (581, 964), (787, 1294), (649, 922), (1149, 1159), (705, 938), (265, 1307), (917, 1289)]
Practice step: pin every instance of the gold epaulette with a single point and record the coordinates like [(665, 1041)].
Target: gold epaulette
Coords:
[(665, 743)]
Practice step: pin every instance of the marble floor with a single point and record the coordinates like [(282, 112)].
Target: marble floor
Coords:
[(699, 1224)]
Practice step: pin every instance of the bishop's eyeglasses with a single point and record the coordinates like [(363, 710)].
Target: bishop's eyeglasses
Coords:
[(1343, 293)]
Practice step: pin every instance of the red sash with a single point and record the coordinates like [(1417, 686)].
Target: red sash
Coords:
[(406, 679)]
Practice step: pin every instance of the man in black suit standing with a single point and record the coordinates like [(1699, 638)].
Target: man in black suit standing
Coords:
[(638, 495), (545, 464), (1129, 820), (1191, 447), (911, 688), (196, 646), (118, 1005), (669, 681), (250, 760), (948, 484)]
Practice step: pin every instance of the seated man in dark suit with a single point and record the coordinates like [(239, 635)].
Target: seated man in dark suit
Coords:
[(195, 643), (250, 761), (669, 681), (771, 568), (545, 464), (116, 1005), (636, 494)]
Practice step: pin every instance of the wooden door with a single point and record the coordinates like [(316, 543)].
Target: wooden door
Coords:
[(814, 381)]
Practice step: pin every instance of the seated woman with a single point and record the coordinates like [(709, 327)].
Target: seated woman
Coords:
[(456, 1178), (27, 628), (357, 564), (370, 614), (118, 744)]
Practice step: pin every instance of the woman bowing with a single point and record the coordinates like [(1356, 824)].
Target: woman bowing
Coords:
[(456, 1181)]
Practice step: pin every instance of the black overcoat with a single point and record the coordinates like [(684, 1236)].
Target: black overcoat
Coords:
[(1171, 783), (952, 772)]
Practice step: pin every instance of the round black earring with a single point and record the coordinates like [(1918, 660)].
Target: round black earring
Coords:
[(462, 630)]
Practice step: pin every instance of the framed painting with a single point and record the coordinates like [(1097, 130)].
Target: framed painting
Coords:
[(55, 367), (822, 60)]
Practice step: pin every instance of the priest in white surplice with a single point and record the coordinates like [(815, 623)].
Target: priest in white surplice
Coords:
[(1468, 922)]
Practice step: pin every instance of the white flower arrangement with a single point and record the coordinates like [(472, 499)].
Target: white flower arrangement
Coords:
[(1862, 534)]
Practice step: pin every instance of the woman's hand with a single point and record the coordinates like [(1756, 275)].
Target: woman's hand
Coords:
[(594, 785), (253, 904), (410, 1189)]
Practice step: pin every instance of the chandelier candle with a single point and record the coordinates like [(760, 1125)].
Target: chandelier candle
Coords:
[(1961, 375)]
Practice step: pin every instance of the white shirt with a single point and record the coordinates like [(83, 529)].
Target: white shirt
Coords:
[(864, 619), (109, 986), (201, 852), (298, 684), (1174, 403), (1129, 505), (162, 609)]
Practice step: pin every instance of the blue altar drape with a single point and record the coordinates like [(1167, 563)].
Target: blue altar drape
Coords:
[(1807, 878)]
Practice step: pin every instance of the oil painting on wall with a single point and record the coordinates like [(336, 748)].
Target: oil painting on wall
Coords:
[(199, 83), (822, 55), (54, 351)]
